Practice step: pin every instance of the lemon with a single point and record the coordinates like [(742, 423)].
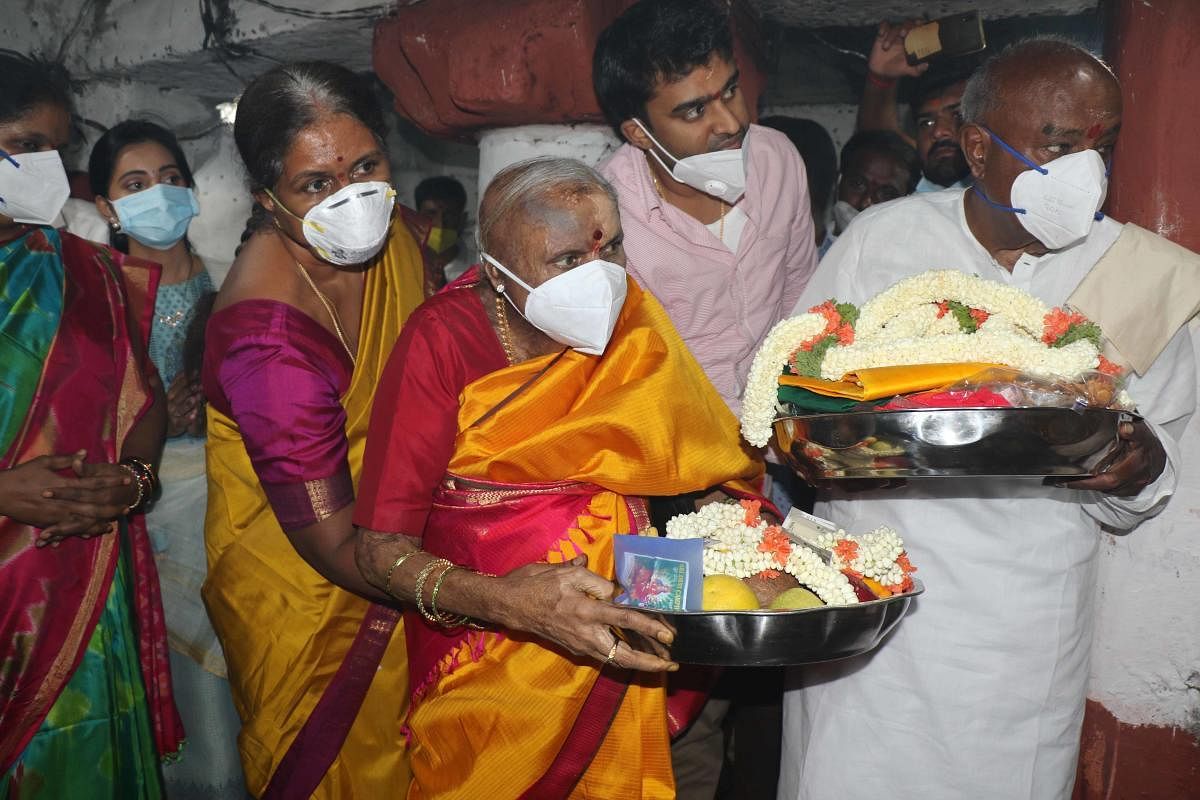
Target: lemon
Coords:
[(727, 593), (796, 598)]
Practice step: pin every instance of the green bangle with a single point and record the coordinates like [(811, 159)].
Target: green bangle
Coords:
[(419, 587), (445, 620)]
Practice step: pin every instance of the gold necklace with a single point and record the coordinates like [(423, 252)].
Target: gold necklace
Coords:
[(658, 188), (333, 315), (505, 331)]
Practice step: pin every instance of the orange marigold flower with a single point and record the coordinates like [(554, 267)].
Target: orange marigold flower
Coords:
[(776, 542), (1109, 367), (904, 564), (943, 308), (846, 550), (1058, 322), (832, 318), (980, 316), (769, 574), (845, 334), (752, 507)]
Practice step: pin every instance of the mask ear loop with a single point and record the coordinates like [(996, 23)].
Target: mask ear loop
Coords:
[(655, 155), (506, 271), (1014, 153)]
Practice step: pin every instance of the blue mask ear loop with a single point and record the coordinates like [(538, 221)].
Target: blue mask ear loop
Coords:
[(1015, 154), (6, 157)]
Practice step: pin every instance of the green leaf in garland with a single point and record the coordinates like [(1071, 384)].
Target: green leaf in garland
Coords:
[(1078, 331), (808, 362), (962, 314), (848, 313)]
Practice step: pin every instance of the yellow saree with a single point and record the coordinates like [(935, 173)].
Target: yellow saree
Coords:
[(285, 629), (552, 472)]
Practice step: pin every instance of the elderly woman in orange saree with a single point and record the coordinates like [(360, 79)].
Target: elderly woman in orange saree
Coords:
[(526, 413)]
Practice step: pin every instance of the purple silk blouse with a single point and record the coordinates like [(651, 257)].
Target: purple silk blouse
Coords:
[(280, 377)]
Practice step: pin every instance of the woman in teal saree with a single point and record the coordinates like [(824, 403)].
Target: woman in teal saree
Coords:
[(85, 696)]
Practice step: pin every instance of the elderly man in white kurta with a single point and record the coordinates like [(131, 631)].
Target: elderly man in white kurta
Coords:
[(979, 692)]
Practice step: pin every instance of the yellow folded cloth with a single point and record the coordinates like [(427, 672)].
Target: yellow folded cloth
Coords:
[(877, 382)]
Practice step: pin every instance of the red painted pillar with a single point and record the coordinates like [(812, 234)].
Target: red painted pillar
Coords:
[(1154, 47)]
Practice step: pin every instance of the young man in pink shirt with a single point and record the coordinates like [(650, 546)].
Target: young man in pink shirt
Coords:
[(717, 226), (724, 240)]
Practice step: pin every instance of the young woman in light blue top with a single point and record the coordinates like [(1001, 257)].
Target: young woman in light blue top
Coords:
[(144, 189)]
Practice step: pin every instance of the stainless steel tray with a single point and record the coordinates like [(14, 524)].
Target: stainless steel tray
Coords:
[(955, 442), (778, 638)]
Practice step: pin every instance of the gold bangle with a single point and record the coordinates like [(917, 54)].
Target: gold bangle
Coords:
[(137, 482), (387, 579), (443, 619), (419, 587)]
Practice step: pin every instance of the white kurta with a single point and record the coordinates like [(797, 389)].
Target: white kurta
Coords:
[(979, 692)]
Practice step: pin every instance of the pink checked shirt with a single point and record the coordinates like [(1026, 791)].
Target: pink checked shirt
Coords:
[(722, 303)]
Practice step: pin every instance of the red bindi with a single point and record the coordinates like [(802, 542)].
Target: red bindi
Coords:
[(597, 234), (340, 158)]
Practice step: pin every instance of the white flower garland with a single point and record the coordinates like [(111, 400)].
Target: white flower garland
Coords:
[(731, 548), (760, 402), (901, 326), (876, 556), (993, 346), (1021, 308)]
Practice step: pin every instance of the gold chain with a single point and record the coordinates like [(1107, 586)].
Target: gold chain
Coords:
[(333, 315), (658, 188), (505, 331)]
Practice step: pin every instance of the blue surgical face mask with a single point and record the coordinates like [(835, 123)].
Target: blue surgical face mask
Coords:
[(157, 217), (1057, 201)]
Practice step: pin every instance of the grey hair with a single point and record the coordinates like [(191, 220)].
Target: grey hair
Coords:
[(982, 94), (532, 180)]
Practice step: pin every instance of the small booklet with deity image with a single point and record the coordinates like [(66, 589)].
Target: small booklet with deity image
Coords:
[(657, 573)]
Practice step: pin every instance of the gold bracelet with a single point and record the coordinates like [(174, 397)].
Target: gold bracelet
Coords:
[(137, 482), (443, 619), (387, 579), (419, 587)]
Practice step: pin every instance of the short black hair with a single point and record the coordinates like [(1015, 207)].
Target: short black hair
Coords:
[(28, 81), (889, 143), (816, 148), (441, 187), (937, 80), (655, 40)]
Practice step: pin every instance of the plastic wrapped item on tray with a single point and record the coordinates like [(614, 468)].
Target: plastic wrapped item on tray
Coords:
[(999, 387)]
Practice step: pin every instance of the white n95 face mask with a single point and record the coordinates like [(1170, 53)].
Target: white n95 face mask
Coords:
[(351, 225), (578, 308), (721, 174), (33, 186), (1059, 201)]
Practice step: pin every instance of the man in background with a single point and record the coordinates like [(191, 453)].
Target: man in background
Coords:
[(443, 200), (876, 166), (935, 107)]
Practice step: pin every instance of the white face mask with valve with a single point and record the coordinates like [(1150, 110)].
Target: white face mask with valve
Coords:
[(721, 174), (578, 308), (1059, 201), (33, 186), (351, 225)]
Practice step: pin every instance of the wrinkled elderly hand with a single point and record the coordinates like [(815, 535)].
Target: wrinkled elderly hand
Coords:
[(97, 496), (887, 59), (570, 606), (1135, 462)]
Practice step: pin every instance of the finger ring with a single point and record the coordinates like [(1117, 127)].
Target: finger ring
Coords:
[(612, 653)]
